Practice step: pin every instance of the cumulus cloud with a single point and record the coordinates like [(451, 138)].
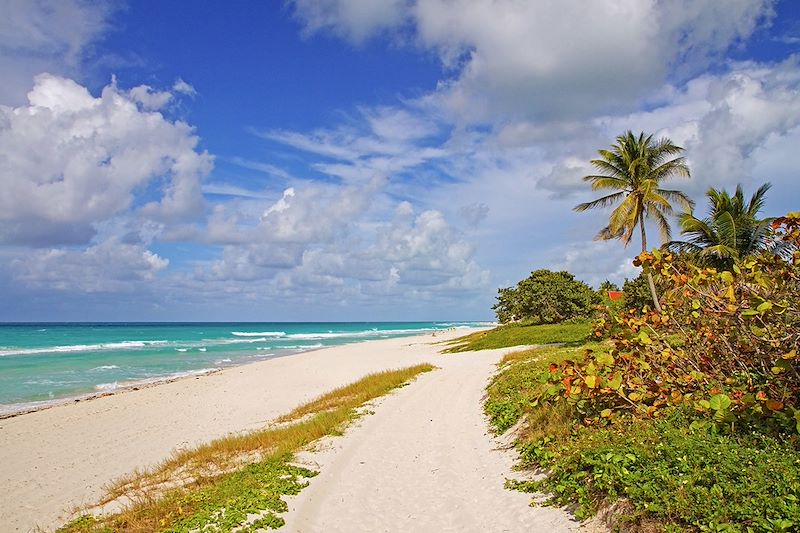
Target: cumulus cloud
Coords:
[(107, 266), (45, 36), (747, 107), (69, 160), (320, 240), (723, 120), (315, 213), (550, 59)]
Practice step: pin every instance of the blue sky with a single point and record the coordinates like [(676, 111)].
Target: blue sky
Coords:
[(358, 159)]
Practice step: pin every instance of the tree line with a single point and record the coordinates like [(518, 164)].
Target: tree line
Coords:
[(633, 171)]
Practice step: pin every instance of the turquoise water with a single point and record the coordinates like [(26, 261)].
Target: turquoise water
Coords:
[(47, 362)]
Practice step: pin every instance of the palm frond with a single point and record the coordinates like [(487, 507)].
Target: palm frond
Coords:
[(677, 196), (673, 167), (727, 227), (605, 201), (682, 247), (757, 200), (663, 224), (607, 182), (624, 218)]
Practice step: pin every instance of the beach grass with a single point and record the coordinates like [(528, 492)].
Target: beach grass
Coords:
[(521, 334), (235, 481)]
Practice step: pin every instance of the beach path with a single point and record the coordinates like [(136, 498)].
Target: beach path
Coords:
[(422, 462)]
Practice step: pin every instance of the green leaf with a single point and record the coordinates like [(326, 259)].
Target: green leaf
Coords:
[(726, 276), (615, 383), (719, 402), (763, 307), (605, 359)]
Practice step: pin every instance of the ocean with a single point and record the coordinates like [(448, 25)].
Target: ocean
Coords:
[(48, 362)]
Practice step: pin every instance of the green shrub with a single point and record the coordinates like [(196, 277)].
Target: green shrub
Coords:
[(725, 345), (546, 297)]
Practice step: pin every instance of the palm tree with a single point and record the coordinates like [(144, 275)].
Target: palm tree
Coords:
[(731, 231), (635, 167)]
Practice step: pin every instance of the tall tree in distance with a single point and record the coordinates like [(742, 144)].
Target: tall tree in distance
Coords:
[(730, 232), (634, 167)]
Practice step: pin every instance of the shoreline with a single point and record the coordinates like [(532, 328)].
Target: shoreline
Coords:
[(22, 408), (65, 453)]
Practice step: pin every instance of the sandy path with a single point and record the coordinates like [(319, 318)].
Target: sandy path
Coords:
[(54, 459), (423, 462)]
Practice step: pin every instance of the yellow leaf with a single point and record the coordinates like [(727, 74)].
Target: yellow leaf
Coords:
[(592, 381), (729, 294)]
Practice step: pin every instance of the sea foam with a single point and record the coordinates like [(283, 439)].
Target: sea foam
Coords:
[(124, 345), (258, 333)]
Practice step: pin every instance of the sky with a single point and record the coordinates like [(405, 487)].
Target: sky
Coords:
[(352, 160)]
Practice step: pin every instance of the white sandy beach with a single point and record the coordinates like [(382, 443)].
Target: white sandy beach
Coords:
[(423, 461)]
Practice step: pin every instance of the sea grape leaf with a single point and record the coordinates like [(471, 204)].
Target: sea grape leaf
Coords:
[(719, 402)]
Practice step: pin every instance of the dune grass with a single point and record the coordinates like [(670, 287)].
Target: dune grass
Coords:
[(521, 335), (235, 481)]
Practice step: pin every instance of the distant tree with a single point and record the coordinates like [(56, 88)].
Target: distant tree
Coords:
[(636, 292), (607, 286), (603, 294), (730, 232), (545, 297), (635, 168), (507, 308)]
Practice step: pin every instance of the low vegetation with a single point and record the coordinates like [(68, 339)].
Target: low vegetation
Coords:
[(686, 419), (546, 297), (522, 334), (235, 483)]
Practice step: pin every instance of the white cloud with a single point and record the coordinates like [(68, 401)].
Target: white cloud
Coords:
[(550, 59), (69, 160), (315, 213), (149, 98), (183, 87), (108, 266), (722, 120), (321, 239), (355, 20), (45, 36)]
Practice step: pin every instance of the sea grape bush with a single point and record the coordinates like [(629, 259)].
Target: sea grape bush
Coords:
[(725, 345)]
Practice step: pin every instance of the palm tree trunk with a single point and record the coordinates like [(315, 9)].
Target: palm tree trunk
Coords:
[(650, 281)]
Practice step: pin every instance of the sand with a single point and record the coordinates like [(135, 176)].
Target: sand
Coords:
[(422, 462)]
